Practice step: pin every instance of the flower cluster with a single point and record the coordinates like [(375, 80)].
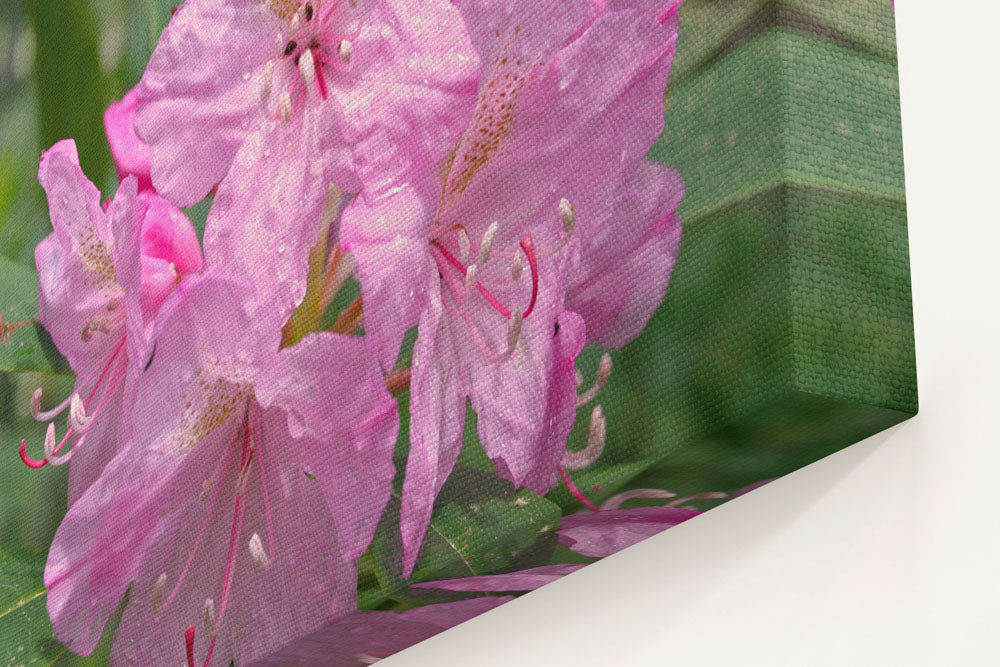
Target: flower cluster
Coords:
[(474, 169)]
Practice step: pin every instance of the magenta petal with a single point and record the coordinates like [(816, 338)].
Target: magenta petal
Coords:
[(602, 533), (131, 155), (522, 580)]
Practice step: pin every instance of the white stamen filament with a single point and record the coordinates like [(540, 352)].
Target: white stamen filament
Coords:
[(265, 90), (50, 440), (78, 419), (279, 45), (209, 617), (463, 245), (307, 69), (596, 439), (296, 21), (603, 375), (158, 589), (514, 332), (346, 51), (285, 107), (487, 243), (257, 553), (518, 267), (567, 213), (470, 278), (579, 379), (616, 501), (708, 495), (48, 415)]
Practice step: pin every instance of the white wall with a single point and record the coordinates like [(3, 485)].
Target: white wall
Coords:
[(887, 553)]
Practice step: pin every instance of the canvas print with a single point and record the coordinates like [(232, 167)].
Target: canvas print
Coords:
[(326, 325)]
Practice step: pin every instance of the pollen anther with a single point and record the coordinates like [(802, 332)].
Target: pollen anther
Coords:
[(257, 553), (159, 588)]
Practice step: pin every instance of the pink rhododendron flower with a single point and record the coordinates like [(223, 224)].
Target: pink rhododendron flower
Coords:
[(613, 528), (387, 81), (102, 278), (131, 154), (570, 100), (251, 485)]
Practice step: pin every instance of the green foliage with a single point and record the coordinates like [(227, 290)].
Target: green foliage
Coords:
[(481, 525)]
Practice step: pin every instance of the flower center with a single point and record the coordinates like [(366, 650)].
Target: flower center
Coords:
[(451, 268), (319, 44)]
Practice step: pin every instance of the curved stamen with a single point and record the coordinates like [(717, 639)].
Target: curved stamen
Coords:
[(528, 246), (603, 375), (596, 437), (575, 491), (47, 415), (27, 460), (230, 570), (616, 501)]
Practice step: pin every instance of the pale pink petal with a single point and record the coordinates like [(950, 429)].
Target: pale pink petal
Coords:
[(303, 585), (201, 92), (367, 635), (437, 421), (388, 240), (410, 90), (622, 270), (602, 533), (526, 405), (75, 270), (105, 535), (265, 218), (131, 155), (345, 424), (522, 580)]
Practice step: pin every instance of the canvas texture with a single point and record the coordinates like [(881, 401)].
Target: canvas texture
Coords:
[(328, 325)]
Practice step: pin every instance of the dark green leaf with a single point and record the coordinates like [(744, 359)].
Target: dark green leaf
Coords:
[(480, 526)]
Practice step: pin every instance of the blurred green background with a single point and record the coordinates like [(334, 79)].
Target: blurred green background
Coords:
[(786, 333)]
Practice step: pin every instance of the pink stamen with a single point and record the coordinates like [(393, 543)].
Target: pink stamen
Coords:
[(318, 67), (28, 461), (267, 500), (189, 644), (528, 246), (228, 575), (575, 491), (201, 532), (492, 300)]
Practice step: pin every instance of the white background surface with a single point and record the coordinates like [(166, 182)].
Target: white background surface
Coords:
[(887, 553)]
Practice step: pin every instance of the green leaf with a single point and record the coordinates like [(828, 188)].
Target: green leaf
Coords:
[(481, 525), (72, 93), (25, 632), (24, 344)]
